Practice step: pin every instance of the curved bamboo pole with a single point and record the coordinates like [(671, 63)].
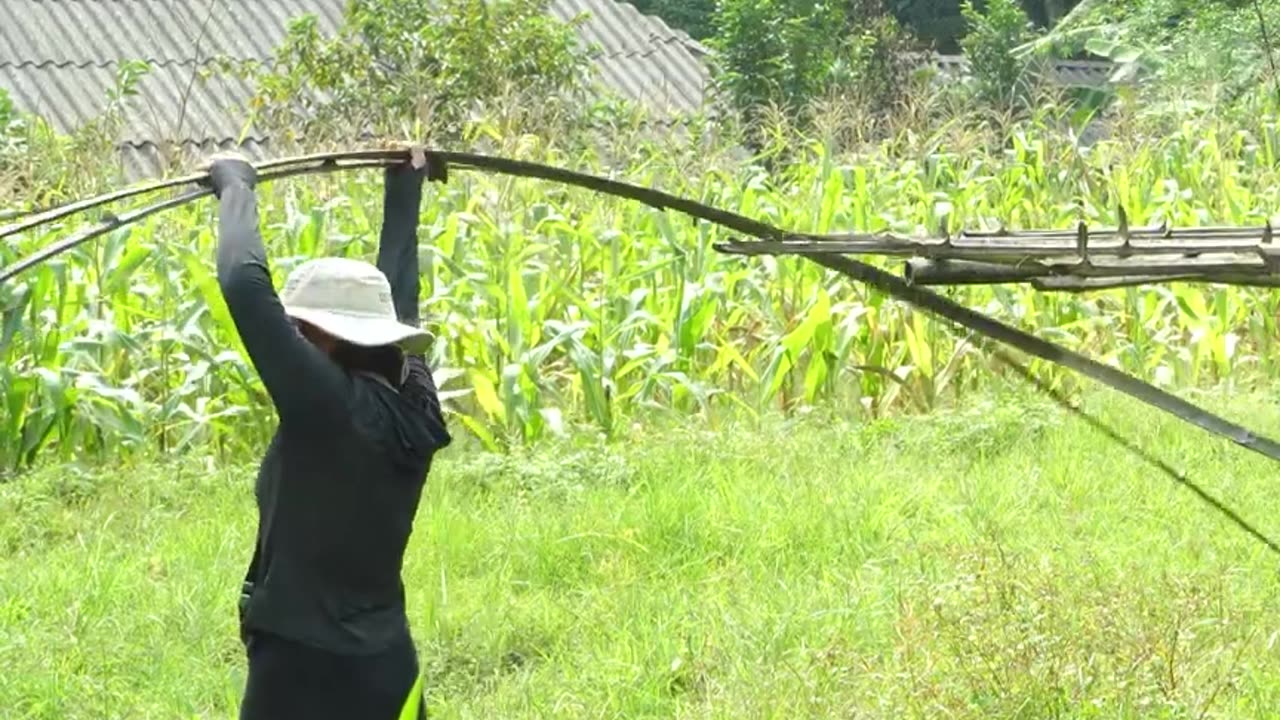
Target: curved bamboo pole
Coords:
[(117, 221), (61, 211)]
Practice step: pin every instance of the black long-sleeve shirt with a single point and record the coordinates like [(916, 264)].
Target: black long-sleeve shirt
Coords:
[(340, 484)]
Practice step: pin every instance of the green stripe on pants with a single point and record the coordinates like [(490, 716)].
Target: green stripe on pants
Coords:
[(413, 703)]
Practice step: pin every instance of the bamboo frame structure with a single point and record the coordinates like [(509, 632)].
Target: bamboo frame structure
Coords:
[(1058, 259), (1077, 260)]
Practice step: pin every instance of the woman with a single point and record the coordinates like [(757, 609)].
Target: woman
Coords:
[(323, 615)]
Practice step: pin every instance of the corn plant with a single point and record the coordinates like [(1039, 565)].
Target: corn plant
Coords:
[(558, 310)]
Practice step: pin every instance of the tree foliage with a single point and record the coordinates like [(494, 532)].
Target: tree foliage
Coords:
[(1192, 55), (394, 65), (787, 53), (696, 17), (943, 22), (992, 37)]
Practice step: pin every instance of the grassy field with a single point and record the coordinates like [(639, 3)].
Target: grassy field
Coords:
[(997, 560), (686, 485)]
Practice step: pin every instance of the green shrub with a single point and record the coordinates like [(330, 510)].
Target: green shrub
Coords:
[(784, 54), (1000, 76), (40, 166), (874, 65), (394, 67), (1193, 58), (12, 129), (696, 17)]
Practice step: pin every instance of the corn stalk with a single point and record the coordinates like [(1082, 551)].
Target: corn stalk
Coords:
[(829, 251)]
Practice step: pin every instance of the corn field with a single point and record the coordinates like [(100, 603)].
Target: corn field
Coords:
[(557, 310)]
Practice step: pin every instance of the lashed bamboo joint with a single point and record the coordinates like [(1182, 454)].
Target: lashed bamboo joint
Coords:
[(1076, 259)]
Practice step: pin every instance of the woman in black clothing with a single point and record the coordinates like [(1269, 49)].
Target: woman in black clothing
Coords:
[(341, 357)]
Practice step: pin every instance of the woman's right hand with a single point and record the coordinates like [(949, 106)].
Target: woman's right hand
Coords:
[(417, 152)]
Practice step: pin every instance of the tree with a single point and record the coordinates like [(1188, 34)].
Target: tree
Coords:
[(394, 64), (696, 17), (787, 53), (943, 23), (990, 43)]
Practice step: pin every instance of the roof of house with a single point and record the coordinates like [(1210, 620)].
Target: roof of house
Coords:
[(60, 58), (1064, 73)]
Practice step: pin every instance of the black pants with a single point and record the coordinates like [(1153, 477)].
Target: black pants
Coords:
[(288, 680)]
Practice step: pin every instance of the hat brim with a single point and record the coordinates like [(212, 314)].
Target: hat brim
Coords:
[(364, 330)]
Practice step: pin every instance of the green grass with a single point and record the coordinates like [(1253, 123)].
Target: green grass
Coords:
[(1000, 560)]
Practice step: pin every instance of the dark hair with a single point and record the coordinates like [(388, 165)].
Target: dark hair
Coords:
[(384, 360)]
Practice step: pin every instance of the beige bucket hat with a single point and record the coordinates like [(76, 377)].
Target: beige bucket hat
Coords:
[(351, 300)]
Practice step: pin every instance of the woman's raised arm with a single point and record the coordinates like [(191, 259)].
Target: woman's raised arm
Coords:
[(398, 244), (304, 384)]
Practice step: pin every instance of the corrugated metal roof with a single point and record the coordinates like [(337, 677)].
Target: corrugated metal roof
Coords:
[(171, 102), (1066, 73), (168, 30), (1081, 73), (137, 161), (103, 32), (620, 28), (59, 58), (641, 53), (641, 57)]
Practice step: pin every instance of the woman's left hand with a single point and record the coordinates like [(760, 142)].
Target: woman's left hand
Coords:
[(226, 167)]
